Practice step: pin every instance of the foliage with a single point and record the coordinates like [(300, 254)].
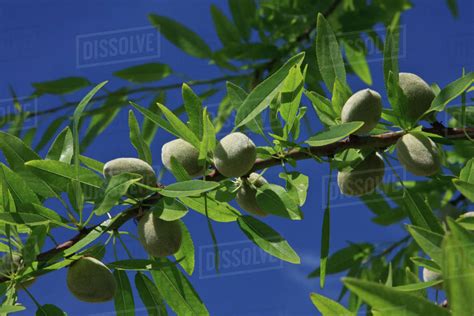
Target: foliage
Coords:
[(278, 54)]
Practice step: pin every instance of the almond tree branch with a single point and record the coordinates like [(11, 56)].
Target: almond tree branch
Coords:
[(380, 142)]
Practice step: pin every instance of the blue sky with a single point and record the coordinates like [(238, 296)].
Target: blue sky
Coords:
[(38, 42)]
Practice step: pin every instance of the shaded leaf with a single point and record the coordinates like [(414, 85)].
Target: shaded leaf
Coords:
[(328, 307), (330, 62), (123, 300), (267, 239), (150, 295), (61, 86), (181, 36), (188, 188), (390, 301), (144, 73), (178, 291), (334, 134), (261, 96)]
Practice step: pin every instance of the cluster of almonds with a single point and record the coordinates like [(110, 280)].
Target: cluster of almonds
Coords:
[(234, 157), (416, 152), (92, 281)]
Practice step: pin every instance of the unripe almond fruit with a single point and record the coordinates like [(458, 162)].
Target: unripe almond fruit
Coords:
[(363, 178), (132, 165), (89, 280), (418, 93), (365, 106), (429, 276), (418, 154), (235, 155), (159, 238), (11, 264), (246, 196), (185, 154)]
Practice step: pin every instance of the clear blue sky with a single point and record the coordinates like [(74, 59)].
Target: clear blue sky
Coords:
[(38, 43)]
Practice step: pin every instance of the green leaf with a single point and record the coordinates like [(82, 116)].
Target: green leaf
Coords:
[(420, 211), (467, 173), (155, 118), (89, 238), (77, 116), (62, 149), (93, 164), (178, 291), (47, 213), (186, 252), (18, 187), (345, 258), (144, 73), (428, 241), (273, 199), (102, 118), (116, 188), (217, 211), (243, 14), (123, 300), (59, 174), (466, 188), (390, 301), (150, 295), (325, 241), (261, 96), (356, 58), (417, 286), (450, 92), (208, 142), (61, 86), (334, 134), (137, 140), (323, 108), (291, 92), (181, 129), (328, 307), (188, 188), (426, 263), (328, 53), (193, 106), (181, 36), (390, 53), (8, 309), (16, 151), (50, 131), (49, 310), (178, 170), (33, 244), (296, 185), (458, 269), (226, 30), (169, 209), (340, 94), (453, 7), (267, 239), (23, 219)]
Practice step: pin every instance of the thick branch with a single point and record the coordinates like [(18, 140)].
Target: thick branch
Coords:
[(381, 141)]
